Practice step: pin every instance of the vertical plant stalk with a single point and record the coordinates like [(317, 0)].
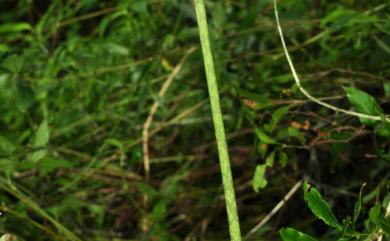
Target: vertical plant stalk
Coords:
[(230, 199)]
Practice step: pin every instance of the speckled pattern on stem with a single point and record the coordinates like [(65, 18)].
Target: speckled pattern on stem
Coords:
[(230, 199)]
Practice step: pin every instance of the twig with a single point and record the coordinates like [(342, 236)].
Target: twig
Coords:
[(307, 94), (86, 16), (322, 74), (146, 126), (105, 70), (153, 109), (358, 132), (303, 101), (174, 121), (275, 209)]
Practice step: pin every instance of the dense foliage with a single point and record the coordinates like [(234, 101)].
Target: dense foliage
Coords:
[(77, 82)]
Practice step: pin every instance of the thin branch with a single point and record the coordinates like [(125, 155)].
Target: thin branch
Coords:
[(153, 109), (275, 209), (86, 16), (308, 95)]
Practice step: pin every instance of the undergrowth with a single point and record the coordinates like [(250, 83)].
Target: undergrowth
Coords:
[(78, 79)]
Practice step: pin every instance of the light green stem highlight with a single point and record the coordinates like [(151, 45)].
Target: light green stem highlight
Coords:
[(230, 199)]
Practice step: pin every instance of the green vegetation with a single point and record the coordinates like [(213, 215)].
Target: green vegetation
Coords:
[(377, 224), (106, 130)]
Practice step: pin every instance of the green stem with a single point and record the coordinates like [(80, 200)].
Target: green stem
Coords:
[(230, 199)]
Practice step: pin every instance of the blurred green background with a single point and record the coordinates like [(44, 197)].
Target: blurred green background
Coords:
[(77, 81)]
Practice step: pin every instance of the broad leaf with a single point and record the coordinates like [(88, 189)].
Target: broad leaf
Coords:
[(14, 27), (375, 217), (269, 162), (258, 180), (25, 96), (6, 145), (264, 138), (363, 103), (114, 48), (276, 117), (383, 129), (41, 139), (384, 224), (320, 207), (290, 234), (283, 159), (159, 210), (48, 165), (13, 63)]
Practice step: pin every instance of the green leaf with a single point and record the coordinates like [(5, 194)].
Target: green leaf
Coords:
[(14, 27), (98, 212), (48, 165), (383, 129), (147, 189), (25, 97), (363, 103), (283, 158), (293, 132), (261, 100), (4, 48), (219, 15), (140, 7), (344, 239), (13, 63), (276, 117), (269, 162), (159, 210), (258, 181), (114, 48), (290, 234), (375, 217), (6, 145), (264, 138), (7, 165), (384, 224), (382, 45), (347, 224), (320, 207), (375, 211), (386, 87), (41, 139)]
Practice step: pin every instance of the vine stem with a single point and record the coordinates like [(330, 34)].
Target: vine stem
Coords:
[(227, 180), (307, 94)]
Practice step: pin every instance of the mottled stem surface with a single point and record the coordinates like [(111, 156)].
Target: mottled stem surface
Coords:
[(230, 199)]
